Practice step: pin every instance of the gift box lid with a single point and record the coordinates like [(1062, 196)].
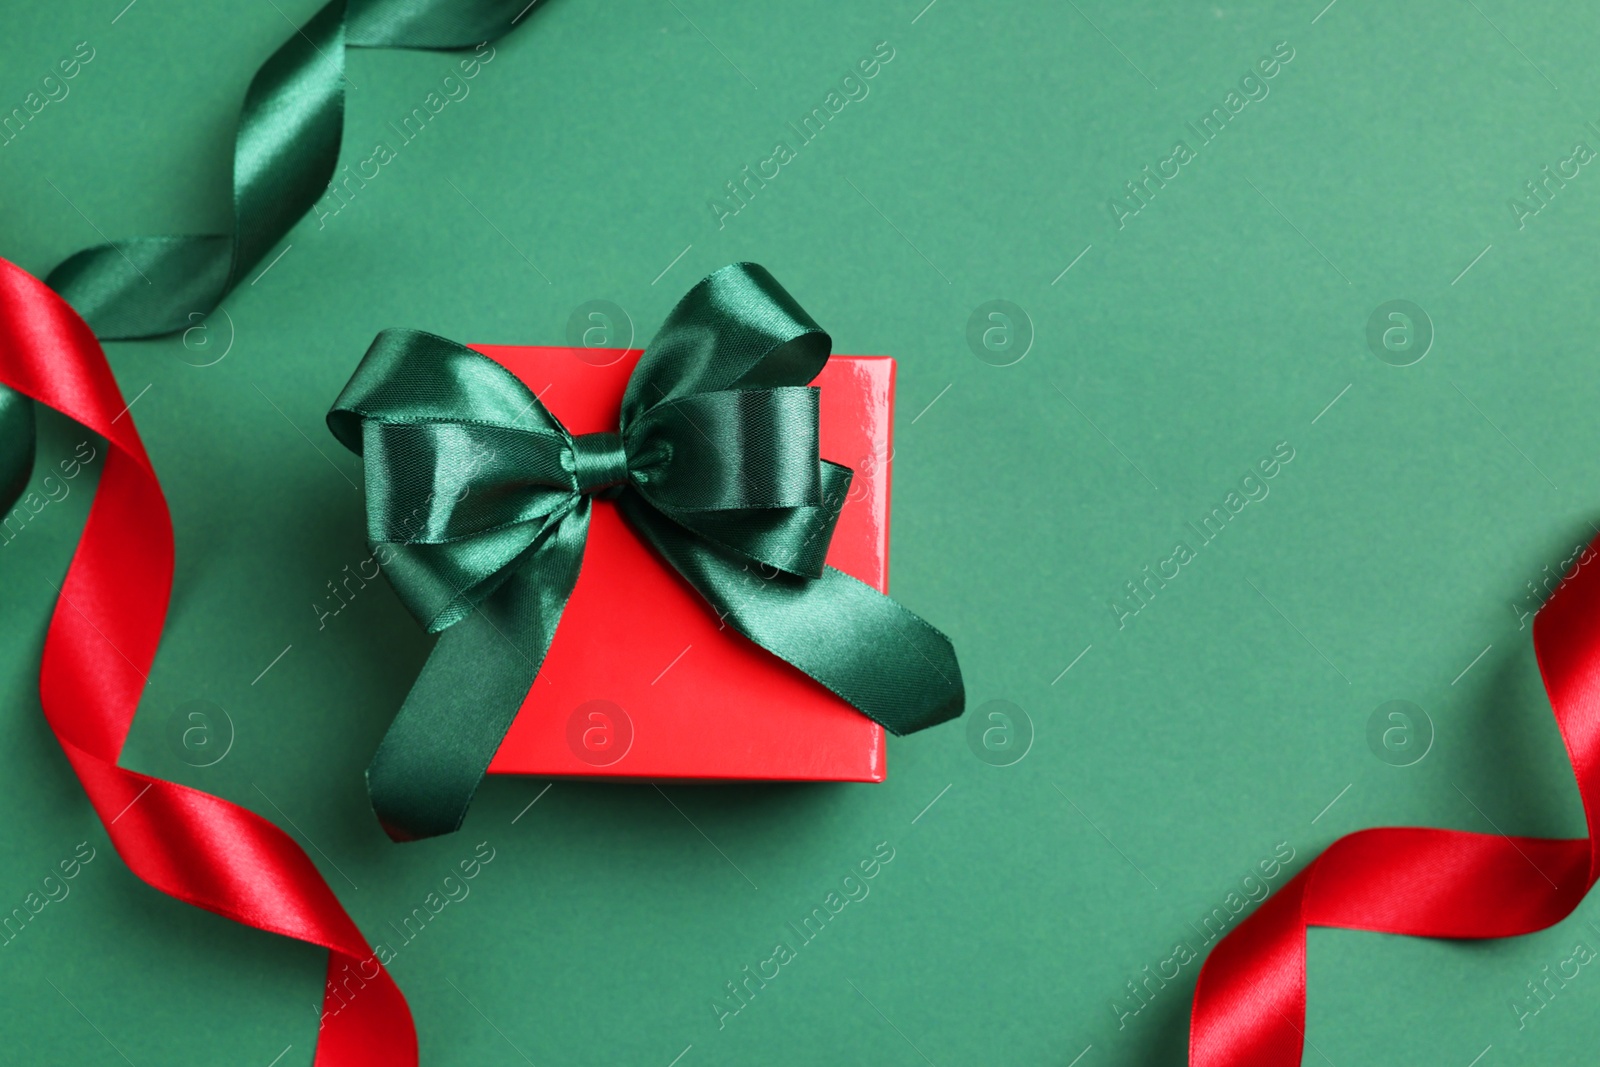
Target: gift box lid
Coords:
[(643, 679)]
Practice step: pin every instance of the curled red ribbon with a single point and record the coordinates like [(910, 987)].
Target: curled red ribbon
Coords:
[(97, 653), (1250, 1000)]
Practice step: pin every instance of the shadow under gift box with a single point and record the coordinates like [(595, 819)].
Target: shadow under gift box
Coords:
[(642, 678)]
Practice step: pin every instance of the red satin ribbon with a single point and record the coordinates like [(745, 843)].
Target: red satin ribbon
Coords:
[(1250, 1001), (101, 642)]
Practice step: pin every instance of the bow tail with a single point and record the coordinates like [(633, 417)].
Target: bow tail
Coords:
[(883, 660), (437, 750)]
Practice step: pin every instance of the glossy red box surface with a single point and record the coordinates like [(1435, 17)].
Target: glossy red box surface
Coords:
[(642, 678)]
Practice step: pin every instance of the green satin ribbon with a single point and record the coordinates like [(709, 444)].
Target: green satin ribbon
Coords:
[(16, 445), (478, 504), (284, 155)]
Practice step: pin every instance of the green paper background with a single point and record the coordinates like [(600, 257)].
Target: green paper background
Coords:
[(1176, 754)]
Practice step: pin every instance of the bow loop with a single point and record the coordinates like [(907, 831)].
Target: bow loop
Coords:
[(413, 376), (736, 329), (730, 450), (466, 472), (437, 482)]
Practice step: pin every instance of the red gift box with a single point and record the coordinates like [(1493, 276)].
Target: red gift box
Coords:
[(643, 679)]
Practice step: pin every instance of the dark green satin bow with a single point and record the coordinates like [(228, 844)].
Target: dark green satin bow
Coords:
[(284, 154), (481, 500)]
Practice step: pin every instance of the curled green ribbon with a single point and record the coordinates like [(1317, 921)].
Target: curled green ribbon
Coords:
[(284, 155), (16, 445), (479, 500)]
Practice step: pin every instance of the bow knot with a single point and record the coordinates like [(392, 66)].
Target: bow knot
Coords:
[(478, 506), (600, 464)]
